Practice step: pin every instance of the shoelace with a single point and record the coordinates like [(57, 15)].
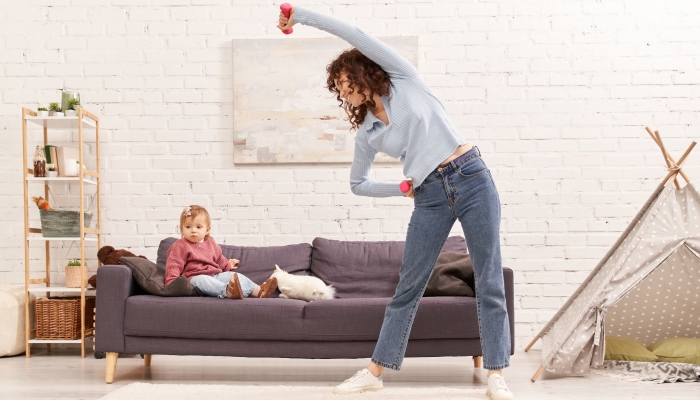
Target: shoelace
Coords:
[(355, 377), (500, 383)]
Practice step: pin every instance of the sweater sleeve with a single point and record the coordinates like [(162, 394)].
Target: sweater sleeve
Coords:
[(360, 184), (219, 256), (381, 53), (177, 256)]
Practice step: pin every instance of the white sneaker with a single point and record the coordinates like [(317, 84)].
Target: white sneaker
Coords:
[(497, 388), (360, 382)]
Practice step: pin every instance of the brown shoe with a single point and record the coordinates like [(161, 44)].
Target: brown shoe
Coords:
[(267, 288), (233, 290)]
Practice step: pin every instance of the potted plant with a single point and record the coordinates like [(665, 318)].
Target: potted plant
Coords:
[(55, 110), (73, 105), (73, 273), (42, 111), (52, 170)]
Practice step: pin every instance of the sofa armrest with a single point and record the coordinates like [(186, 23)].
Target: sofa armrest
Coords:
[(115, 285), (510, 304)]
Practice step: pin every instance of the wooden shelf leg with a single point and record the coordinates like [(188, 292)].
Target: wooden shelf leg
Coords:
[(537, 374), (532, 343), (477, 361), (147, 360), (111, 367)]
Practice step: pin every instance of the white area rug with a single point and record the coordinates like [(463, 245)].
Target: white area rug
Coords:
[(149, 391)]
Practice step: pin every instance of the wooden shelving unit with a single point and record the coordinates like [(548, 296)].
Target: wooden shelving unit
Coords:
[(84, 120)]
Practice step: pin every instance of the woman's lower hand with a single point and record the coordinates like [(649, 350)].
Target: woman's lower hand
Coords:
[(410, 192), (234, 263), (286, 23)]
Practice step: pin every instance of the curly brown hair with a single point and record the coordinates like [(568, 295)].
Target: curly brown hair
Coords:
[(363, 74)]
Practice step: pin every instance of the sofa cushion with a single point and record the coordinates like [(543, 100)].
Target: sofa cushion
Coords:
[(361, 319), (257, 263), (364, 269), (213, 318)]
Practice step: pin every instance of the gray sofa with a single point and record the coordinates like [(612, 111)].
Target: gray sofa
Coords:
[(365, 275)]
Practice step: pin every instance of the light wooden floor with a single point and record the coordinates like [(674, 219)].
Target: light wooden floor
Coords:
[(62, 374)]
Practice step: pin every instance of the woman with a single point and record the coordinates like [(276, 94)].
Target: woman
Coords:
[(395, 112)]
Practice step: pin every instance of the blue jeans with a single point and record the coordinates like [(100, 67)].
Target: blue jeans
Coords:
[(215, 286), (460, 190)]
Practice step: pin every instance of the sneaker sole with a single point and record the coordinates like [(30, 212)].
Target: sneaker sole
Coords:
[(488, 394), (369, 389)]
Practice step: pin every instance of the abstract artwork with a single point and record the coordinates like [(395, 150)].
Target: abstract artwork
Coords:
[(282, 112)]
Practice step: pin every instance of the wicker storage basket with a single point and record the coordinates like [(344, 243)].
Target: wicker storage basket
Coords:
[(61, 223), (73, 275), (59, 317)]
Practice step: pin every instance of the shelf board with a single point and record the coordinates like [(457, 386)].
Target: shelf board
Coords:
[(49, 341), (61, 179), (61, 122), (43, 289), (41, 238)]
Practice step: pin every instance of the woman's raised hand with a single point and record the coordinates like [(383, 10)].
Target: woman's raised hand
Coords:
[(410, 192), (286, 23)]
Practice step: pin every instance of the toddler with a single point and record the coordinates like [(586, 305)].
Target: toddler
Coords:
[(197, 257)]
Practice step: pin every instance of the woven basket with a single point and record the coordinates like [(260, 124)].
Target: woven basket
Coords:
[(59, 317), (61, 223), (73, 275)]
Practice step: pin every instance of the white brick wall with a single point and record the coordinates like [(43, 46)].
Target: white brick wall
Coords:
[(555, 93)]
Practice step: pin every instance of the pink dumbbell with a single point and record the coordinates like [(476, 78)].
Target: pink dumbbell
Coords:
[(286, 10), (405, 187)]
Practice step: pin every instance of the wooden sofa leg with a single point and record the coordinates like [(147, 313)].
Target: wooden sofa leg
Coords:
[(111, 366), (147, 360), (477, 362)]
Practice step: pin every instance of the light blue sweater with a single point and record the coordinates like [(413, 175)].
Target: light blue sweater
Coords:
[(419, 133)]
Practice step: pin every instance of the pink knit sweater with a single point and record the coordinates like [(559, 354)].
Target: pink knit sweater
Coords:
[(192, 259)]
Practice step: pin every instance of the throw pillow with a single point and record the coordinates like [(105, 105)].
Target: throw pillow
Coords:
[(453, 276), (677, 349), (620, 348), (151, 278)]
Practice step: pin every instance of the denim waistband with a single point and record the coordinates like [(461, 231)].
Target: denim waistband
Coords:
[(455, 164)]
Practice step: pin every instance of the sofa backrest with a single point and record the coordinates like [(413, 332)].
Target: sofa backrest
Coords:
[(257, 263), (364, 269)]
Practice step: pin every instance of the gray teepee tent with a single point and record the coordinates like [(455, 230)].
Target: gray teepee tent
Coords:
[(644, 288)]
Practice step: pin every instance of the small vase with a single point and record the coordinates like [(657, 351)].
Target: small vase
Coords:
[(52, 174), (39, 162), (58, 114), (71, 113), (42, 113), (71, 167)]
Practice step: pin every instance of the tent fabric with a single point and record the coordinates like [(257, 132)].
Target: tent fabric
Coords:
[(666, 233), (664, 305)]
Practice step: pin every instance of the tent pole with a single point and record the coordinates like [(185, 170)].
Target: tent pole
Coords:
[(669, 158), (679, 163), (537, 374), (657, 139), (532, 343)]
